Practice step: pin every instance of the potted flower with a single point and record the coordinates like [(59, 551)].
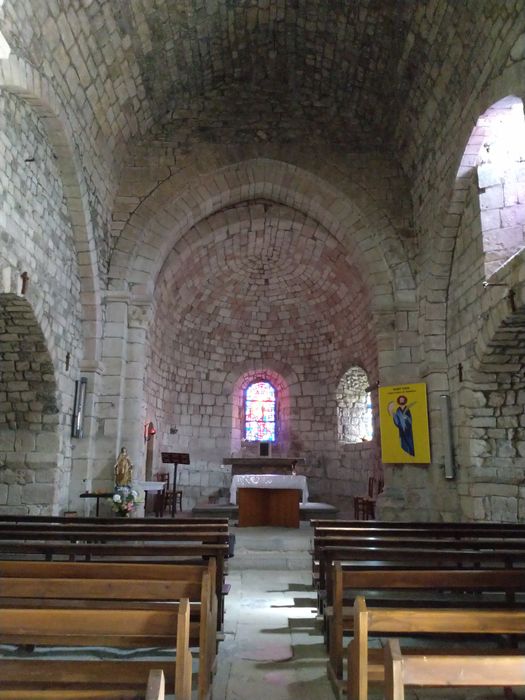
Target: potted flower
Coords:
[(124, 500)]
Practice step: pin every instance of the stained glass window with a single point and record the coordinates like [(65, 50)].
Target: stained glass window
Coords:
[(259, 409)]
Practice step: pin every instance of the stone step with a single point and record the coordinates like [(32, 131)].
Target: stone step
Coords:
[(307, 511), (272, 548)]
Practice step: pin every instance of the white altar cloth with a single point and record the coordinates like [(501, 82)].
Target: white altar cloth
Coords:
[(150, 485), (268, 481)]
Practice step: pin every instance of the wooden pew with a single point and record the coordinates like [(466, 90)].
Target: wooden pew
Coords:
[(366, 665), (49, 689), (375, 558), (155, 690), (130, 522), (330, 533), (181, 533), (411, 543), (449, 669), (388, 525), (213, 525), (77, 588), (124, 551), (506, 583), (52, 679)]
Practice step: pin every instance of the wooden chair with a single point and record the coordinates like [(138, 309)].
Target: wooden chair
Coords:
[(171, 497), (365, 506)]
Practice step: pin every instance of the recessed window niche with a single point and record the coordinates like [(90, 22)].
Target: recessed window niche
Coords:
[(354, 407)]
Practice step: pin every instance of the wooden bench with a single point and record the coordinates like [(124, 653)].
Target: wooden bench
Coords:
[(61, 519), (53, 679), (408, 543), (437, 583), (90, 591), (329, 533), (318, 523), (366, 665), (123, 550), (446, 670), (376, 558), (44, 688), (180, 533)]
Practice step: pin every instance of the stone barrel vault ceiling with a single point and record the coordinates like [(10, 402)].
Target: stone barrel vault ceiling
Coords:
[(353, 72)]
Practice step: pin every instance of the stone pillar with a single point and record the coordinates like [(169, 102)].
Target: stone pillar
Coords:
[(132, 413), (107, 433)]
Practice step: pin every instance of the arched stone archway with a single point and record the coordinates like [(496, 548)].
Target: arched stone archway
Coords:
[(194, 193), (257, 283), (21, 79), (73, 251), (32, 480), (186, 201)]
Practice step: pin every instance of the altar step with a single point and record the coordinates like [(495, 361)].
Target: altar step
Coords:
[(307, 511), (271, 549)]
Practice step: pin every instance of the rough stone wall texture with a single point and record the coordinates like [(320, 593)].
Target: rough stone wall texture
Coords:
[(450, 260), (216, 310), (501, 180), (488, 389), (29, 412), (353, 416), (55, 42), (43, 328), (233, 102)]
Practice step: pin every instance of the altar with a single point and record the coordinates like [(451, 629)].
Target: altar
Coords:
[(268, 499), (263, 465)]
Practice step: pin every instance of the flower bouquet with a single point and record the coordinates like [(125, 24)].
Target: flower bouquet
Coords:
[(124, 500)]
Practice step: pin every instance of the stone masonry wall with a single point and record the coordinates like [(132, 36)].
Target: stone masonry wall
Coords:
[(214, 314), (37, 238), (28, 412)]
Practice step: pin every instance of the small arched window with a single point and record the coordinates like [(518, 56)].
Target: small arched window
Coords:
[(501, 131), (260, 412), (354, 407)]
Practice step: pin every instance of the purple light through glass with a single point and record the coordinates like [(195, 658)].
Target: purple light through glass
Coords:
[(260, 412)]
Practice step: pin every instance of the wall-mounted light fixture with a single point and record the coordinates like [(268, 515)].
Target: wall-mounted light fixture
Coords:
[(149, 431), (77, 430)]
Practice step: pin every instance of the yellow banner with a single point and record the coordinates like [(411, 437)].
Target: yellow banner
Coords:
[(403, 420)]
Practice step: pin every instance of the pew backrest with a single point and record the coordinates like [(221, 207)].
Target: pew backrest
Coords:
[(452, 669), (89, 585), (506, 582), (408, 621), (101, 627)]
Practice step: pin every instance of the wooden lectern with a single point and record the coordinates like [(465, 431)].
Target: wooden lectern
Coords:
[(174, 458)]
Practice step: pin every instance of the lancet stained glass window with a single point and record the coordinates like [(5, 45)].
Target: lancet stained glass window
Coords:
[(259, 411)]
